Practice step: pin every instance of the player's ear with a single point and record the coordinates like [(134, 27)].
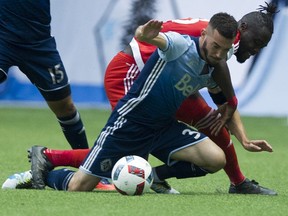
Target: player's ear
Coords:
[(243, 26), (203, 32)]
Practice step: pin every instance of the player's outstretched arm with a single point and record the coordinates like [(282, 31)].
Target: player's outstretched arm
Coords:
[(149, 33), (236, 127)]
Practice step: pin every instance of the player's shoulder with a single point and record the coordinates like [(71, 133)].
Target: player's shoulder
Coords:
[(188, 21), (191, 26)]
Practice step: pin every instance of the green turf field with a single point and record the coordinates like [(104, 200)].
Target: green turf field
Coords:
[(22, 128)]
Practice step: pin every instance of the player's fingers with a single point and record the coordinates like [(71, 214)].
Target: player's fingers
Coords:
[(259, 148), (265, 146), (216, 127), (155, 23), (219, 128)]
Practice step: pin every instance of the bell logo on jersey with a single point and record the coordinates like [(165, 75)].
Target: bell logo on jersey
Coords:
[(184, 86)]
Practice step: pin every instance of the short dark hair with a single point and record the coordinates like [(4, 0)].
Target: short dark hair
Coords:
[(225, 24), (263, 17)]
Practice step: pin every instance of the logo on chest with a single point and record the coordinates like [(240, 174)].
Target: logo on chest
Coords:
[(185, 85)]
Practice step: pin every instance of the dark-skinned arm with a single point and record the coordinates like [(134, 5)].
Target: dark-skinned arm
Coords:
[(236, 127)]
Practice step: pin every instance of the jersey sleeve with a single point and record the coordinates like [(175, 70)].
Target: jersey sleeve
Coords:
[(177, 44)]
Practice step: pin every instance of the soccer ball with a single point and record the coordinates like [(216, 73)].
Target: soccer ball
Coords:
[(132, 175)]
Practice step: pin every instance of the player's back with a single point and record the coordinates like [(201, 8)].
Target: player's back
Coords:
[(25, 21)]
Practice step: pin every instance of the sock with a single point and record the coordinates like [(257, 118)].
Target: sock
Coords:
[(59, 179), (71, 158), (179, 170), (74, 131), (232, 168)]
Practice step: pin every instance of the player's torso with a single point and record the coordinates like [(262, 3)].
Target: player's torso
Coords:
[(162, 86), (24, 20)]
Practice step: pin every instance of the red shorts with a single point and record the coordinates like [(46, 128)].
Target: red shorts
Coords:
[(120, 75)]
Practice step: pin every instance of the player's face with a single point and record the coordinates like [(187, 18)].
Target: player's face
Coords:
[(252, 40), (214, 46)]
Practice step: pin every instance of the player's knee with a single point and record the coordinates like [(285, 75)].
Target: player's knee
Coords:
[(66, 109), (219, 162), (62, 108), (74, 186), (80, 182)]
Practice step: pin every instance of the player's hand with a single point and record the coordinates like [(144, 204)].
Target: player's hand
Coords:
[(149, 30), (226, 112), (257, 146)]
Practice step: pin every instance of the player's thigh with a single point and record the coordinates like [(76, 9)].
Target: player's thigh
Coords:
[(193, 109), (205, 154), (43, 66), (81, 181), (8, 58), (173, 138)]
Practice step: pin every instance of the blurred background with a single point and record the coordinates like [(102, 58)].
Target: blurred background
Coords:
[(89, 33)]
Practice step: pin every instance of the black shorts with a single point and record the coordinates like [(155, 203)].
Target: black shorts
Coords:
[(122, 137), (40, 62)]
